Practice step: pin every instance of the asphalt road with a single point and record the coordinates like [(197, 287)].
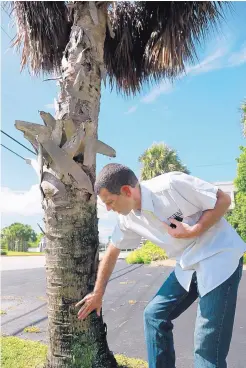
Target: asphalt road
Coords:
[(130, 289)]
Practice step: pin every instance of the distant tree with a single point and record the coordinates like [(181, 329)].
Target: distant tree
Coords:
[(160, 159), (35, 243), (18, 236), (237, 217), (243, 120)]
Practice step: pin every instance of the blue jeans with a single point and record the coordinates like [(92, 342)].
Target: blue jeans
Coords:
[(214, 322)]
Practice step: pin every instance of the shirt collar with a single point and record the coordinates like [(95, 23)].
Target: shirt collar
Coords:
[(146, 199)]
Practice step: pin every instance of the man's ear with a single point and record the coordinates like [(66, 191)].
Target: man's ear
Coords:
[(125, 190)]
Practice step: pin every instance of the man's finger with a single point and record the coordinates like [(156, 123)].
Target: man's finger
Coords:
[(81, 310), (85, 312), (99, 311), (80, 302), (173, 221)]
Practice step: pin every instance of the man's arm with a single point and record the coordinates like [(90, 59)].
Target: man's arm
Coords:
[(207, 220), (93, 301), (106, 267)]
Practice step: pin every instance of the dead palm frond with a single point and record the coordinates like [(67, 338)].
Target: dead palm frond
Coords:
[(152, 39), (156, 39), (43, 32)]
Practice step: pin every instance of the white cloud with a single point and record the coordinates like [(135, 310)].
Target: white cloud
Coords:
[(107, 221), (101, 209), (131, 110), (238, 58), (163, 87), (103, 213), (50, 106), (210, 63), (104, 233), (25, 203), (28, 203)]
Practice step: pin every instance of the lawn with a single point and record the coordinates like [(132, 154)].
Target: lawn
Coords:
[(30, 354), (12, 253)]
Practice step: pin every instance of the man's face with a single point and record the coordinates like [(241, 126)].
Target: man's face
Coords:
[(122, 203)]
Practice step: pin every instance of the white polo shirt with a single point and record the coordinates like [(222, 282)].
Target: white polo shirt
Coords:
[(214, 255)]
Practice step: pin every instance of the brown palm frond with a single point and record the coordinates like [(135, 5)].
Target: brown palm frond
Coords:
[(156, 39), (43, 31)]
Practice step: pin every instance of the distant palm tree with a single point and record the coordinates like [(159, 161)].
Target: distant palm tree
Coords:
[(243, 110), (160, 159), (83, 42)]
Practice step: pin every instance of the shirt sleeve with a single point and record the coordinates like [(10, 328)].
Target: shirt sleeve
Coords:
[(192, 192), (124, 238)]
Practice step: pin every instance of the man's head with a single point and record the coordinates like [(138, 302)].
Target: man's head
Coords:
[(118, 188)]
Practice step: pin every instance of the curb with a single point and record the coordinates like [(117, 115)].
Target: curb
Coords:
[(172, 263)]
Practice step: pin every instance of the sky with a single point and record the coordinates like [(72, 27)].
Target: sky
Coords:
[(198, 115)]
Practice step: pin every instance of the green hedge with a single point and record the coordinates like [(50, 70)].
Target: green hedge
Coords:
[(146, 254)]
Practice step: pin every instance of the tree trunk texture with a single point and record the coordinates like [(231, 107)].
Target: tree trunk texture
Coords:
[(66, 165)]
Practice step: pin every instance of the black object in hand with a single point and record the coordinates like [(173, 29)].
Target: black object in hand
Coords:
[(173, 226)]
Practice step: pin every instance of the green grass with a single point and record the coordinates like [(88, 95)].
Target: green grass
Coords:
[(12, 253), (30, 354), (244, 258)]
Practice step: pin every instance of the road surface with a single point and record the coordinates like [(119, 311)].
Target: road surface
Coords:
[(128, 292)]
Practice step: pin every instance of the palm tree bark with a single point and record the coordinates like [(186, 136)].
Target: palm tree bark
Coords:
[(67, 148), (72, 251)]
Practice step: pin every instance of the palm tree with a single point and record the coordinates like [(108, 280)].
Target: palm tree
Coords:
[(159, 159), (83, 42), (243, 110)]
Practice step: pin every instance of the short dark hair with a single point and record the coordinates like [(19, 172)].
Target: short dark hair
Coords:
[(113, 176)]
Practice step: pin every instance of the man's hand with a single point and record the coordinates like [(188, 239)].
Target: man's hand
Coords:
[(91, 302), (182, 230), (208, 219)]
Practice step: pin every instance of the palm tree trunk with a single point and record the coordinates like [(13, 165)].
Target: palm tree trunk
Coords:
[(71, 228), (68, 146)]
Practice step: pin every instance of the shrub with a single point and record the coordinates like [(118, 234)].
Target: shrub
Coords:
[(148, 253), (134, 257)]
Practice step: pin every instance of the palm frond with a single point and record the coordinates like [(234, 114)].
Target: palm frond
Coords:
[(159, 159), (156, 39), (243, 118), (153, 39), (43, 32)]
